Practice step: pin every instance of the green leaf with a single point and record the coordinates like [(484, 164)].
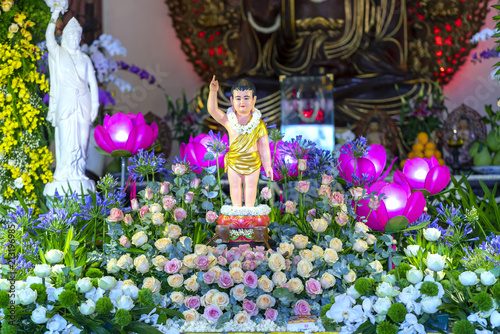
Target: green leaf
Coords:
[(140, 327), (100, 150), (121, 154), (397, 223)]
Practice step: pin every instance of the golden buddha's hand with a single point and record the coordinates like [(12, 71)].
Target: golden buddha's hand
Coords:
[(214, 85)]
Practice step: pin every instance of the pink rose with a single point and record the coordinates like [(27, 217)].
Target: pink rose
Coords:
[(326, 179), (230, 256), (302, 165), (261, 256), (202, 262), (124, 241), (195, 183), (168, 202), (243, 248), (225, 280), (165, 188), (290, 206), (143, 211), (374, 202), (179, 214), (302, 308), (211, 217), (249, 255), (212, 313), (336, 199), (127, 219), (115, 216), (179, 169), (173, 266), (266, 193), (250, 279), (250, 307), (271, 314), (310, 214), (134, 204), (209, 277), (356, 192), (192, 302), (148, 194), (324, 191), (188, 198), (313, 287), (341, 218), (249, 265), (303, 187), (222, 261)]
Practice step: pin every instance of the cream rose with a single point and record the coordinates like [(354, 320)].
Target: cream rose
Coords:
[(174, 231), (376, 266), (125, 262), (175, 281), (200, 249), (350, 277), (330, 256), (235, 264), (112, 267), (276, 262), (265, 301), (336, 244), (177, 297), (237, 274), (300, 241), (162, 244), (159, 262), (13, 28), (238, 292), (327, 281), (242, 317), (157, 219), (191, 315), (217, 270), (318, 251), (191, 284), (141, 264), (139, 239), (370, 239), (304, 268), (307, 254), (279, 278), (207, 299), (360, 246), (319, 225), (265, 284), (152, 284), (286, 249), (220, 299), (189, 260), (296, 285)]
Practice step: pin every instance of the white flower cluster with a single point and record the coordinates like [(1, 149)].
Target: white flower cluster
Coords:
[(243, 129), (53, 4), (232, 326), (259, 210), (247, 232)]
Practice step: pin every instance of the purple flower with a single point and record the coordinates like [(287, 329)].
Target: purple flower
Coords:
[(250, 279), (192, 302), (271, 314), (212, 313), (225, 280), (209, 277), (250, 307), (202, 262), (302, 308)]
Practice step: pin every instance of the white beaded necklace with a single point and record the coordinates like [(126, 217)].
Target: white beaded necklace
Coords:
[(243, 129)]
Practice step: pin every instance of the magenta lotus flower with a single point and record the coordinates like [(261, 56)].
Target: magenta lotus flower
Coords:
[(398, 207), (124, 135), (194, 152), (424, 174), (363, 166)]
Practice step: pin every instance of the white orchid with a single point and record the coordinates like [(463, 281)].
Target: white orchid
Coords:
[(151, 317), (411, 325)]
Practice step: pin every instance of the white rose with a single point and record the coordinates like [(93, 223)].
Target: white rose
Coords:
[(350, 277), (131, 290), (87, 308), (410, 293), (391, 279), (487, 278), (139, 239), (432, 234), (414, 276), (435, 262), (27, 296), (106, 282), (353, 292), (412, 250), (125, 302), (468, 278), (125, 262), (430, 304), (42, 270), (360, 227), (376, 266), (336, 244), (54, 256), (57, 269), (384, 289), (112, 266), (360, 246), (84, 285), (382, 305), (39, 315), (495, 319)]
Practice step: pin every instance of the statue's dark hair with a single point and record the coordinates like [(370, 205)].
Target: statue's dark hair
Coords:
[(243, 84)]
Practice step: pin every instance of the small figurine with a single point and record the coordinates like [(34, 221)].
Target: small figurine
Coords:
[(249, 142), (73, 106)]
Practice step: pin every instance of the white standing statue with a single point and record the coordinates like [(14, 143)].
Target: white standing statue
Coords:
[(73, 106)]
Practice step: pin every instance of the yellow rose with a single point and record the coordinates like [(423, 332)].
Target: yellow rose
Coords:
[(304, 268), (319, 225), (370, 239), (160, 262), (128, 282), (13, 28), (212, 260), (191, 284), (6, 6), (327, 281), (318, 251), (141, 264), (157, 219), (330, 256), (300, 241), (177, 297), (377, 266), (152, 284), (307, 254), (360, 246), (242, 317), (217, 270), (174, 231), (336, 244), (238, 292), (266, 284), (125, 262), (276, 262), (235, 264), (200, 250), (162, 244), (139, 239), (188, 260), (350, 277), (237, 274), (184, 270), (221, 299), (286, 249), (207, 299), (265, 301), (296, 285), (175, 281), (279, 278), (112, 266), (190, 315)]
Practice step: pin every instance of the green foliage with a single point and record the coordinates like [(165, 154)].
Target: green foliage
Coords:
[(495, 290), (8, 328), (385, 327), (482, 301), (4, 299), (94, 273), (403, 283), (463, 326), (40, 291), (70, 286), (68, 298), (429, 289), (122, 317), (103, 306), (397, 312), (363, 286), (146, 297)]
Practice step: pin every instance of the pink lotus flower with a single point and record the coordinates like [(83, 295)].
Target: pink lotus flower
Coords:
[(424, 174), (125, 133), (366, 169), (194, 152), (398, 202)]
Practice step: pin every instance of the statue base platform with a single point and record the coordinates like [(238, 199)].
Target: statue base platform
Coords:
[(68, 187)]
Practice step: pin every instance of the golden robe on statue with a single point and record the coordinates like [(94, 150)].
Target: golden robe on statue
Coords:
[(238, 158)]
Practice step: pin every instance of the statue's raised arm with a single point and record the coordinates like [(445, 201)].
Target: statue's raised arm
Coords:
[(51, 29)]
